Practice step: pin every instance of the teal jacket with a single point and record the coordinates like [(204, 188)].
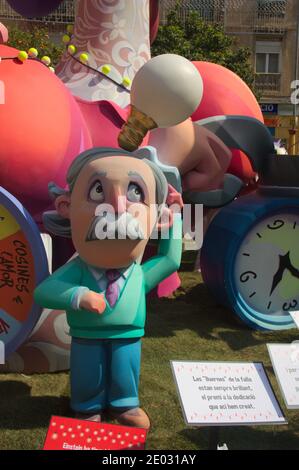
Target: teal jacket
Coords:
[(127, 318)]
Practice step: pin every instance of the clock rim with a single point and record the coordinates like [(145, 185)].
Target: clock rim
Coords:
[(262, 316), (253, 208), (252, 315), (41, 271)]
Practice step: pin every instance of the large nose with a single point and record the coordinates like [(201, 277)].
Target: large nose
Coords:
[(118, 200)]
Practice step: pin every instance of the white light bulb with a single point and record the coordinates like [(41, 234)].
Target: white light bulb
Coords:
[(168, 88)]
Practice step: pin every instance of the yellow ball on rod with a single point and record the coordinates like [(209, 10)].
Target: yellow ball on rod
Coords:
[(84, 57), (46, 60), (72, 49), (126, 82), (22, 56), (106, 69), (66, 38), (33, 53)]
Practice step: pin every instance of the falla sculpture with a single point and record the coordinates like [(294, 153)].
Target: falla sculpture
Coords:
[(49, 118)]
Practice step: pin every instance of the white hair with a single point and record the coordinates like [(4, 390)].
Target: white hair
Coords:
[(163, 174)]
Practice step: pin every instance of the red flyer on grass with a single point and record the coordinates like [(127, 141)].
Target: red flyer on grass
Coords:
[(75, 434)]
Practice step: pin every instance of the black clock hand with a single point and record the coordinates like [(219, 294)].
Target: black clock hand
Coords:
[(294, 271), (276, 279), (284, 263)]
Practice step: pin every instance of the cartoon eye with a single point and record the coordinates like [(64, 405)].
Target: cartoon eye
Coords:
[(96, 192), (135, 193)]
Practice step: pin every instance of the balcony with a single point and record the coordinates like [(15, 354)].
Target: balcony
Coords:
[(268, 84), (256, 16), (211, 11), (270, 17), (240, 16)]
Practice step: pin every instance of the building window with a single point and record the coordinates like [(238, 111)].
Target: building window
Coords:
[(268, 57), (267, 63)]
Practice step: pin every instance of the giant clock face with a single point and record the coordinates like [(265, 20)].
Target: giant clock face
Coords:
[(266, 274), (23, 265)]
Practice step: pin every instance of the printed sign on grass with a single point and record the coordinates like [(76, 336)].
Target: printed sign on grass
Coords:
[(285, 362), (76, 434), (226, 393)]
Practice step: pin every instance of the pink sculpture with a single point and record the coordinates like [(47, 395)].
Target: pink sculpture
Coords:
[(3, 34)]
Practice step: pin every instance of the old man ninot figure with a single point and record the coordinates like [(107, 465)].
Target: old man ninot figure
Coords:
[(115, 201)]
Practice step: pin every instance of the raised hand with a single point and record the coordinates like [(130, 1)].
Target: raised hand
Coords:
[(174, 198)]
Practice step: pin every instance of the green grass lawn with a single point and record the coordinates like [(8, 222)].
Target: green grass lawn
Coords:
[(189, 326)]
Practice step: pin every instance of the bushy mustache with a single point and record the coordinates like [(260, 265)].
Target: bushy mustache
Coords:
[(114, 226)]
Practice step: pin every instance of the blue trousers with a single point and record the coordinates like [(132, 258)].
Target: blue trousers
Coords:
[(104, 373)]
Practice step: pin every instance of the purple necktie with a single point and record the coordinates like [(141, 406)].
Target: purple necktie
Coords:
[(112, 289)]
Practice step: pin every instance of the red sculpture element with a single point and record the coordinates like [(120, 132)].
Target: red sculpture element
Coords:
[(42, 130), (226, 94)]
